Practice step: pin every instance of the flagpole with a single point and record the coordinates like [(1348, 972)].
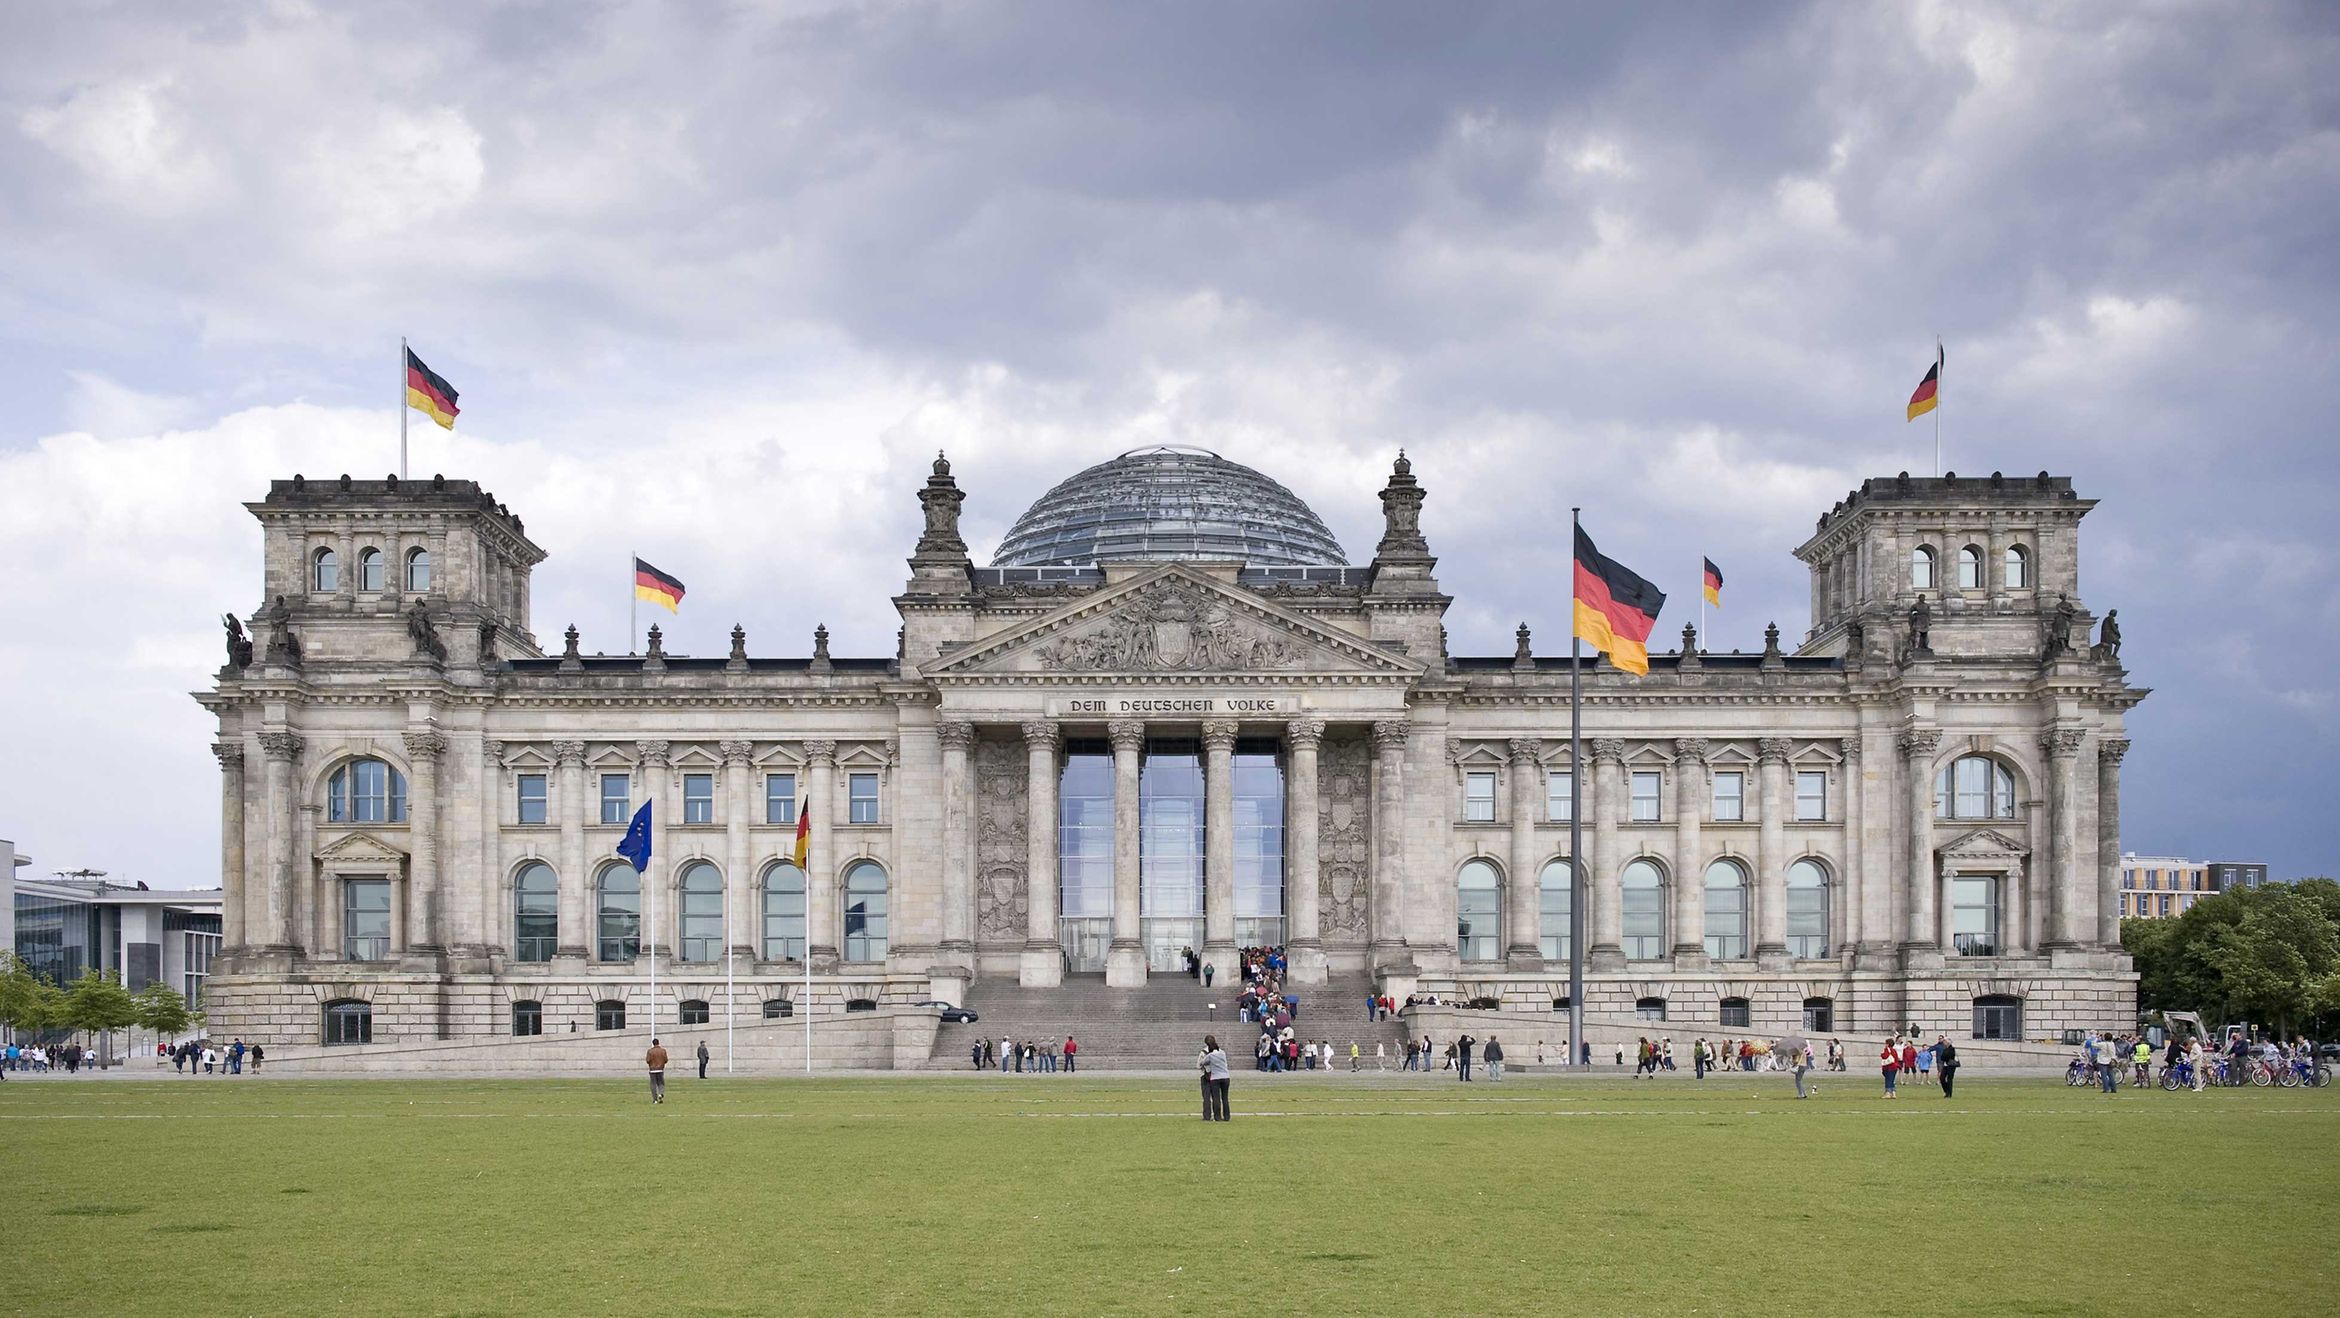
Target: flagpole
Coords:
[(633, 601), (1577, 886), (1701, 604), (650, 893), (402, 351), (1939, 371), (729, 1014)]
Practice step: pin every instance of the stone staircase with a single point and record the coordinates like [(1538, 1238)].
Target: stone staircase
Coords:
[(1158, 1027)]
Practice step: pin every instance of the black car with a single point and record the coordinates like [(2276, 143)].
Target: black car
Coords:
[(951, 1015)]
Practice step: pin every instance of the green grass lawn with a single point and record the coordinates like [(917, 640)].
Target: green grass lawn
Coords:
[(1020, 1194)]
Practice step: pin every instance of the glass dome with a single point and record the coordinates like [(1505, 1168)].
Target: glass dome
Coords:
[(1169, 502)]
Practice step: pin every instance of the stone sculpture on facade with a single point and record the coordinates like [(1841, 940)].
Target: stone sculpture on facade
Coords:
[(1921, 627), (2108, 637), (239, 646), (2059, 632), (1169, 627)]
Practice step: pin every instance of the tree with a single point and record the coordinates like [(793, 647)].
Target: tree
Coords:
[(97, 1004), (19, 992), (2270, 955), (162, 1010)]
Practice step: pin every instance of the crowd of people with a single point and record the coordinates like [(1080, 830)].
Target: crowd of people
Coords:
[(33, 1058), (1902, 1056), (2105, 1059), (1044, 1056)]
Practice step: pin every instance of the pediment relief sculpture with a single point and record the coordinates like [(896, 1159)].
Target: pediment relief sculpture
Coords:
[(1168, 626)]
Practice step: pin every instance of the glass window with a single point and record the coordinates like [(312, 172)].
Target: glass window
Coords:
[(1258, 776), (1735, 1013), (1478, 798), (861, 794), (1084, 832), (365, 919), (1643, 909), (418, 572), (698, 798), (1819, 1015), (349, 1022), (1730, 797), (780, 798), (609, 1014), (1478, 910), (1811, 795), (370, 570), (617, 798), (1998, 1017), (1559, 890), (1970, 568), (531, 798), (1807, 909), (778, 1009), (1646, 789), (2163, 901), (1974, 915), (1921, 568), (692, 1011), (1974, 787), (2018, 568), (366, 792), (783, 912), (527, 1018), (620, 914), (536, 918), (1726, 910), (1649, 1009), (1171, 854), (327, 571), (865, 912), (1560, 796), (701, 901)]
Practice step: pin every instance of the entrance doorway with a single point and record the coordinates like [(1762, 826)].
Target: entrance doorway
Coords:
[(1086, 941)]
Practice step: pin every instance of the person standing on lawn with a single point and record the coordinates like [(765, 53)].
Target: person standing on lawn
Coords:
[(1215, 1079), (655, 1059), (702, 1059), (1890, 1062), (1072, 1055), (1494, 1055), (1946, 1063)]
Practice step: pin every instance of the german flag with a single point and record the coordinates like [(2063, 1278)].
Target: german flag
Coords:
[(803, 829), (1713, 584), (1615, 609), (428, 393), (657, 587), (1928, 395)]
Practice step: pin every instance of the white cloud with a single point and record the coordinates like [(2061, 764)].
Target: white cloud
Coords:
[(132, 141), (393, 171)]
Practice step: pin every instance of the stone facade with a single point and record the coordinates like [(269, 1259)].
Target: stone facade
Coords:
[(1761, 833)]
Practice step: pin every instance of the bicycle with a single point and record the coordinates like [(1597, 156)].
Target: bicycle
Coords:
[(2176, 1076), (2077, 1074)]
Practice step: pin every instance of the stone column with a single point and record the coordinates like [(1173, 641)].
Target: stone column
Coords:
[(1219, 848), (1846, 937), (1771, 854), (231, 844), (958, 889), (574, 911), (1042, 963), (823, 914), (2062, 747), (1924, 884), (1523, 895), (1389, 825), (739, 913), (1303, 889), (1605, 920), (1125, 962), (283, 750), (657, 772), (2109, 751), (1691, 791), (2015, 901)]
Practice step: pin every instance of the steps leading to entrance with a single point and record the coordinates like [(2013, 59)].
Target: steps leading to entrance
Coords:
[(1159, 1026)]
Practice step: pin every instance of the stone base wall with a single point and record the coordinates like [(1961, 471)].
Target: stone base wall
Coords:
[(867, 1041)]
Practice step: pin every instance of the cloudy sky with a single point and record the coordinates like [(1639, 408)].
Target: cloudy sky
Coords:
[(716, 281)]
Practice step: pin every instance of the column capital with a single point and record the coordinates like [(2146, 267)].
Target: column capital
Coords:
[(493, 749), (736, 753), (280, 745), (821, 751), (230, 754), (1525, 751), (1693, 749), (1608, 750), (1218, 735), (1127, 734), (2062, 743), (1774, 750), (653, 754), (425, 743), (1043, 735), (1850, 748), (2110, 750), (1920, 743), (1304, 733), (955, 734), (569, 754), (1390, 734)]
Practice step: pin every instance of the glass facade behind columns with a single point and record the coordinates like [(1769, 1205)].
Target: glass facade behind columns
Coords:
[(1084, 854), (1259, 844), (1170, 850)]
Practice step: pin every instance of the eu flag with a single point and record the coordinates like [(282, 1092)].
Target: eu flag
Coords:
[(636, 847)]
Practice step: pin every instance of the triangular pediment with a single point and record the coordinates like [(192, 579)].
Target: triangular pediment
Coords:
[(1984, 842), (1173, 621), (360, 849)]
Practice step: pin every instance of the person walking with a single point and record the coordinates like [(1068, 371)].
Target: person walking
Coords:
[(975, 1051), (1494, 1056), (235, 1058), (1353, 1056), (1946, 1063), (1208, 970), (1802, 1065), (1889, 1061), (655, 1059), (702, 1059), (258, 1054), (1216, 1079)]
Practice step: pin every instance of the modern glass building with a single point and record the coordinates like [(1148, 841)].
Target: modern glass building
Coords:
[(67, 926)]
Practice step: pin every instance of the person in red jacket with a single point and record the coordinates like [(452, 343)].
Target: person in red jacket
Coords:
[(1071, 1055), (1890, 1061)]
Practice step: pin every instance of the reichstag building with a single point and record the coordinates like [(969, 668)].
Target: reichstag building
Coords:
[(1172, 713)]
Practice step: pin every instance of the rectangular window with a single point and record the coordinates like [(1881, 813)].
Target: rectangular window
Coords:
[(1560, 797), (365, 919), (1646, 787), (1974, 915), (2165, 903), (1811, 796), (861, 796), (1998, 1018), (698, 798), (617, 798), (1258, 781), (609, 1014), (531, 798), (1730, 797), (779, 798), (1478, 798)]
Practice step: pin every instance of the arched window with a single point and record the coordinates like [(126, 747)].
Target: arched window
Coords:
[(702, 912), (693, 1011), (536, 912), (1735, 1013), (865, 911), (609, 1014), (365, 792), (1974, 787), (1807, 909), (1726, 910), (1921, 568), (1819, 1015), (2018, 568), (527, 1018), (418, 571), (619, 917), (1478, 912), (783, 913), (1997, 1016), (369, 570), (1643, 909), (1558, 884), (777, 1009), (325, 572), (349, 1021), (1970, 568), (1649, 1009)]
